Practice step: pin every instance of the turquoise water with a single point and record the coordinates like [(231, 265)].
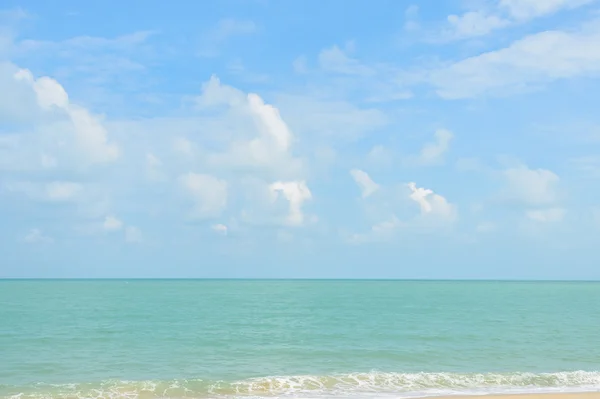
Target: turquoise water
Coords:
[(202, 338)]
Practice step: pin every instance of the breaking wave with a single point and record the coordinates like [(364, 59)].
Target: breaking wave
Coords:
[(373, 384)]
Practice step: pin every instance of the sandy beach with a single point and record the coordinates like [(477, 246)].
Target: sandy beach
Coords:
[(576, 395)]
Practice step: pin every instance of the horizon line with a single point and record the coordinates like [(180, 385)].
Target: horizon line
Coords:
[(295, 279)]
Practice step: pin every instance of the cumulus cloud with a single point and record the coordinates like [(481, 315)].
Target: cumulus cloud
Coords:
[(56, 191), (269, 148), (296, 193), (336, 60), (433, 152), (220, 229), (503, 13), (548, 215), (208, 193), (226, 29), (63, 191), (380, 231), (36, 236), (154, 170), (90, 136), (531, 186), (183, 146), (111, 223), (364, 182), (536, 59), (432, 204), (527, 9), (473, 23), (133, 235)]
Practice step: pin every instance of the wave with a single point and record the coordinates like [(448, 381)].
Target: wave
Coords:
[(375, 384)]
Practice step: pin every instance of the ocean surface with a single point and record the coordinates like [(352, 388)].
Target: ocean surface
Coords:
[(305, 339)]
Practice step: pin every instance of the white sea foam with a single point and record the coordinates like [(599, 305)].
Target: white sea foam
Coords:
[(353, 385)]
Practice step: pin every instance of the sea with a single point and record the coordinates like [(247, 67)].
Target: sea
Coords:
[(296, 338)]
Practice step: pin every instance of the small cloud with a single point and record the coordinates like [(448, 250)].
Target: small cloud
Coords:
[(111, 223), (336, 60), (411, 15), (48, 162), (213, 40), (63, 191), (35, 236), (433, 152), (133, 235), (380, 156), (473, 24), (208, 193), (364, 182), (528, 9), (531, 186), (296, 193), (152, 160), (299, 65), (154, 168), (549, 215), (485, 227), (431, 203), (379, 232), (219, 229), (183, 146)]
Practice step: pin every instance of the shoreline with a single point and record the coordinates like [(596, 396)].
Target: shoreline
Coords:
[(541, 395)]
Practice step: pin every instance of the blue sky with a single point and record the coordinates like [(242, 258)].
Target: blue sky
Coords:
[(262, 138)]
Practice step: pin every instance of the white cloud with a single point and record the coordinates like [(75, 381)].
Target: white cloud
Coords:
[(90, 136), (133, 235), (111, 223), (56, 191), (485, 227), (536, 59), (226, 28), (473, 23), (183, 146), (319, 119), (299, 65), (531, 186), (504, 13), (270, 123), (364, 182), (296, 193), (154, 168), (587, 166), (380, 231), (208, 192), (219, 229), (265, 142), (48, 162), (432, 204), (379, 156), (35, 236), (549, 215), (527, 9), (63, 191), (214, 94), (433, 152), (153, 161), (411, 15), (336, 60)]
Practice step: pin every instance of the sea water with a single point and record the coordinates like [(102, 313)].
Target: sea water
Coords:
[(310, 339)]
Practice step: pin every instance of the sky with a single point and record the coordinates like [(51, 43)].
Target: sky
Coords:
[(300, 139)]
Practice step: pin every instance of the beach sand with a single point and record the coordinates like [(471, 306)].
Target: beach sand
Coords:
[(576, 395)]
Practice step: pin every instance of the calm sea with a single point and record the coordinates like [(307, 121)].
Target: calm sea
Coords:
[(208, 339)]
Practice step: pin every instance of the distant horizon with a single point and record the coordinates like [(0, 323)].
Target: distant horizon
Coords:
[(294, 279)]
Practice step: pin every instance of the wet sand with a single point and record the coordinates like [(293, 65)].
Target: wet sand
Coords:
[(576, 395)]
